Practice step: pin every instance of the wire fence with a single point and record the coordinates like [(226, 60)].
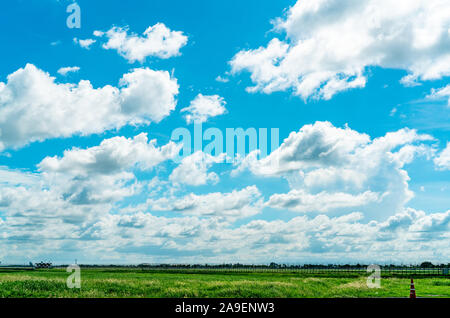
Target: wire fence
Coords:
[(334, 270), (307, 270)]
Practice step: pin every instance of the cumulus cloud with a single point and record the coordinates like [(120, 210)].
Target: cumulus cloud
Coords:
[(38, 220), (329, 167), (103, 173), (204, 107), (330, 45), (442, 161), (35, 199), (80, 186), (75, 202), (157, 40), (34, 107), (416, 225), (235, 204), (193, 169), (148, 94), (411, 235), (300, 201), (320, 144), (112, 155), (85, 44)]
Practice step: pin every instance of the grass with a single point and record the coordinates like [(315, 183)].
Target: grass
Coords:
[(122, 283)]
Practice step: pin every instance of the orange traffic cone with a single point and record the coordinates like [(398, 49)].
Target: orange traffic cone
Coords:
[(412, 292)]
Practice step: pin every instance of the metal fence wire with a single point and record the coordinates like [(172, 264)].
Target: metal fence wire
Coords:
[(338, 270)]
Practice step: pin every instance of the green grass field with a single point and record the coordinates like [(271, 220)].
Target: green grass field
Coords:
[(138, 283)]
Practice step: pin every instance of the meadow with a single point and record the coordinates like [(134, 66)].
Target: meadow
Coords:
[(123, 283)]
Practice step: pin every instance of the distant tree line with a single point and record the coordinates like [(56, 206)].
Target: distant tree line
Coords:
[(269, 266)]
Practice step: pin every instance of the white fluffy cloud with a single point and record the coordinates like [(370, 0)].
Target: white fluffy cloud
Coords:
[(235, 204), (411, 235), (157, 40), (70, 191), (145, 93), (75, 203), (300, 201), (85, 44), (204, 107), (442, 161), (193, 169), (69, 69), (416, 226), (37, 220), (330, 45), (332, 168), (34, 199), (111, 156), (441, 93), (102, 174), (33, 107)]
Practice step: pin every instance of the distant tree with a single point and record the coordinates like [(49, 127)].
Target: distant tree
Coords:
[(426, 265)]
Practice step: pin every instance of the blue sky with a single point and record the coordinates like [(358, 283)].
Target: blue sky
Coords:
[(364, 175)]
